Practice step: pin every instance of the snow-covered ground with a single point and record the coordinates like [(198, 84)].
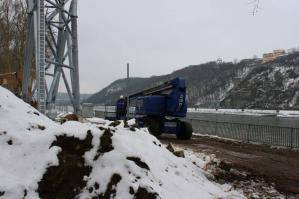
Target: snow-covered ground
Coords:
[(39, 157)]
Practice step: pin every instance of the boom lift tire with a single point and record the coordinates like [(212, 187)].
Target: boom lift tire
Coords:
[(185, 132), (154, 126)]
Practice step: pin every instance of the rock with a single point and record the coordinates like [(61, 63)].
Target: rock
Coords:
[(72, 117), (170, 148), (178, 153), (226, 166), (69, 117), (209, 176), (41, 127)]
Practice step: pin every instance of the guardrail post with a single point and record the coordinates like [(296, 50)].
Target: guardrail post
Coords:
[(247, 132), (216, 128), (292, 137)]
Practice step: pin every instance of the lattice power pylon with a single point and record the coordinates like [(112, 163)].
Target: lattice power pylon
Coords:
[(52, 38)]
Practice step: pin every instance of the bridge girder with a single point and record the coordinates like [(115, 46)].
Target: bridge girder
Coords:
[(52, 40)]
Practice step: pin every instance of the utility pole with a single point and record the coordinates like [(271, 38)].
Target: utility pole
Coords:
[(127, 89), (128, 79)]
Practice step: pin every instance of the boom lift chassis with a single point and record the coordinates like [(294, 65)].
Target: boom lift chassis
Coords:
[(161, 109)]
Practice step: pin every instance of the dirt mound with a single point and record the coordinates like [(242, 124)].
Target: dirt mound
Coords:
[(89, 160)]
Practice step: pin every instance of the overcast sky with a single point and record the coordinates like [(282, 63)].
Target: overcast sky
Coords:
[(159, 36)]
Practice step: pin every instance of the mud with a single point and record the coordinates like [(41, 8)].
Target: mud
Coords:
[(25, 193), (111, 188), (138, 162), (143, 193), (251, 185), (41, 127), (9, 142), (105, 144), (131, 190), (277, 167), (66, 179), (115, 123), (36, 113)]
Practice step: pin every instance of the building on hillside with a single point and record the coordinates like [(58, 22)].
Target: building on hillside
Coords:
[(273, 55), (268, 57), (219, 61), (279, 52)]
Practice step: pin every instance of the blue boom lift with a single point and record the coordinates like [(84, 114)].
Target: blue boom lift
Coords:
[(160, 108)]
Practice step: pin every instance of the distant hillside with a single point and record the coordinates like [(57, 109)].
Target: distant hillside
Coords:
[(63, 98), (272, 85), (247, 84), (206, 83)]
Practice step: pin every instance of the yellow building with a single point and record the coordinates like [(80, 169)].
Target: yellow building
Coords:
[(279, 52), (268, 57), (272, 56)]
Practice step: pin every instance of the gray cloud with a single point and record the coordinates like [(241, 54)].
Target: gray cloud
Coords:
[(159, 36)]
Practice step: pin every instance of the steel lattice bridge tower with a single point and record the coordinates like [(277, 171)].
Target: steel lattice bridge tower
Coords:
[(51, 52)]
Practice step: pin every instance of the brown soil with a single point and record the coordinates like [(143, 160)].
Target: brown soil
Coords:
[(251, 185), (278, 166), (138, 162), (115, 123), (111, 188), (143, 193), (105, 144), (66, 179)]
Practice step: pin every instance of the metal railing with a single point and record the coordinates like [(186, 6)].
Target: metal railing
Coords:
[(263, 134), (257, 133), (109, 112)]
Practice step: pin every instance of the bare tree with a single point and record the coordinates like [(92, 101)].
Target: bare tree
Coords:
[(256, 6), (12, 35)]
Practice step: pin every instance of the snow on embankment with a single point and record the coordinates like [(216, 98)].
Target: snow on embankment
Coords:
[(42, 159)]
